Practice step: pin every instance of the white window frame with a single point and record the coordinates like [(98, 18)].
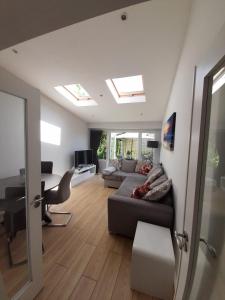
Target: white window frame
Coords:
[(154, 131)]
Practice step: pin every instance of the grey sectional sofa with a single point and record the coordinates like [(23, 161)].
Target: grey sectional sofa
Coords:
[(114, 176), (124, 212)]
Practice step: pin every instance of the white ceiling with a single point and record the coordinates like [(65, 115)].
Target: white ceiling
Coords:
[(148, 43)]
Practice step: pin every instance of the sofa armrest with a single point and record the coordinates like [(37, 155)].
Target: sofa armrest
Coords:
[(108, 171)]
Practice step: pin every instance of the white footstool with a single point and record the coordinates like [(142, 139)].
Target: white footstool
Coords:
[(153, 262)]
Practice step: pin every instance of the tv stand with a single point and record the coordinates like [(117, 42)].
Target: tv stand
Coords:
[(83, 173)]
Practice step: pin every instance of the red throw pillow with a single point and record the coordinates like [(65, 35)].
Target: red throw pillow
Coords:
[(140, 191), (144, 169)]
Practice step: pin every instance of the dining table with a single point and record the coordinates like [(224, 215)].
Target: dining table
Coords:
[(51, 181)]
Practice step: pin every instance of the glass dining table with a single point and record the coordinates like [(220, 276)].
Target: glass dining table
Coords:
[(50, 181)]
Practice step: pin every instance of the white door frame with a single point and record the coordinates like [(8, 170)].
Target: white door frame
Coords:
[(12, 85), (192, 219)]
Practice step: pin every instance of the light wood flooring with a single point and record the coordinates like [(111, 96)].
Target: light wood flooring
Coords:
[(82, 261)]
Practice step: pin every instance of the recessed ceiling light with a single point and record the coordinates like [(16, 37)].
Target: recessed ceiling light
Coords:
[(124, 16), (127, 89), (76, 94)]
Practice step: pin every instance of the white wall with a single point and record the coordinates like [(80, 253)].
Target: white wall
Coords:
[(12, 138), (74, 135), (207, 18)]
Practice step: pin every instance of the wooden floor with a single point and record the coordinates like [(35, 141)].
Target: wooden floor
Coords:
[(83, 261)]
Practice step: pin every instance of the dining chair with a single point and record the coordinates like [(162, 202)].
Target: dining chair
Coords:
[(58, 196), (46, 167), (14, 206)]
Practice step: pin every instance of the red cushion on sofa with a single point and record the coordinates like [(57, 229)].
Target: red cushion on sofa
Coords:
[(140, 191), (144, 169)]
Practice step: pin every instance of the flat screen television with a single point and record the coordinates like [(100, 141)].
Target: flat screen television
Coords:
[(83, 158)]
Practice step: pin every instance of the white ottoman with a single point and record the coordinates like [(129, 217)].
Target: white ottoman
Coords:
[(153, 262)]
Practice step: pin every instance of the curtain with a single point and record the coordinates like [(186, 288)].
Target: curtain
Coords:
[(95, 138)]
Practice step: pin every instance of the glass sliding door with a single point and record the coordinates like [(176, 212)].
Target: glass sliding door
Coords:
[(124, 145), (146, 152)]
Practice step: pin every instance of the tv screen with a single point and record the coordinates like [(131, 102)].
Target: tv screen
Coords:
[(83, 157)]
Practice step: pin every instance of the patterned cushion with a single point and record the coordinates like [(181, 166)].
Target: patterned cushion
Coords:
[(116, 163), (143, 164), (154, 174), (140, 191), (128, 166), (140, 163), (159, 191), (158, 181), (155, 167), (144, 170)]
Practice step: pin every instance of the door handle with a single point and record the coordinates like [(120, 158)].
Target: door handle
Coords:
[(210, 248), (37, 201), (182, 240)]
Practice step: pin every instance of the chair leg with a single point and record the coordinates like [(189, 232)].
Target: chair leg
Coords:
[(59, 213), (11, 263)]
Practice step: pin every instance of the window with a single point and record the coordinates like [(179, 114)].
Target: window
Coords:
[(146, 153), (127, 89), (50, 134), (78, 91), (76, 94), (124, 145)]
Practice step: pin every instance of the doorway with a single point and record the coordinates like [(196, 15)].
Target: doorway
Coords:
[(209, 277), (20, 189)]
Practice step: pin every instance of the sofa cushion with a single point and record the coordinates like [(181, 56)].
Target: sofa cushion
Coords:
[(120, 176), (159, 191), (108, 171), (140, 164), (116, 163), (153, 175), (117, 176), (158, 181), (129, 184), (140, 191), (128, 166)]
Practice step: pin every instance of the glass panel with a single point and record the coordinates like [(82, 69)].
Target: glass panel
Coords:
[(124, 145), (209, 280), (146, 152), (78, 91), (13, 235), (127, 85)]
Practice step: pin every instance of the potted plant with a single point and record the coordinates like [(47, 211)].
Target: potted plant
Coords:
[(101, 152)]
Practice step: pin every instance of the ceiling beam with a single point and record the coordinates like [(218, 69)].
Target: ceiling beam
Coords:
[(22, 20)]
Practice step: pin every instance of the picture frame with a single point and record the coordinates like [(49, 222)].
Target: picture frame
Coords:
[(169, 132)]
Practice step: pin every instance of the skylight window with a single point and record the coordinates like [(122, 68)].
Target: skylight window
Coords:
[(127, 89), (78, 91), (76, 94)]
